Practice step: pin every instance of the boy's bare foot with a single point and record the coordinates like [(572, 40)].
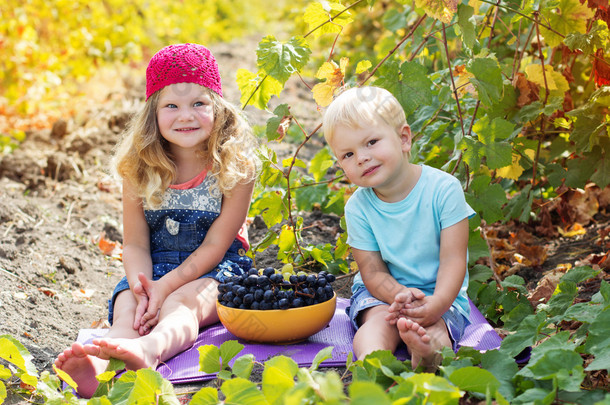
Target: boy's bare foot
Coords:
[(421, 345), (130, 351), (81, 367)]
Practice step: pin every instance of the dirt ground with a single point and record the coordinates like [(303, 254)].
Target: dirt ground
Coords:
[(57, 201)]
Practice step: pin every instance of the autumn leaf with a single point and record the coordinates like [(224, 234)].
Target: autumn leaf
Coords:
[(554, 81), (333, 75), (512, 171), (528, 90), (320, 12), (256, 89), (442, 10), (567, 17), (574, 230), (108, 247), (601, 69)]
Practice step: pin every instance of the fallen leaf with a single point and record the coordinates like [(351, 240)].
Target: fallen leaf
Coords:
[(47, 291), (572, 231), (546, 287), (82, 294)]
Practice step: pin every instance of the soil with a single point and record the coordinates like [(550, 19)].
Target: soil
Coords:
[(58, 205)]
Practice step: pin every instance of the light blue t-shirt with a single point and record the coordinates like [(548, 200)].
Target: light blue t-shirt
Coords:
[(407, 233)]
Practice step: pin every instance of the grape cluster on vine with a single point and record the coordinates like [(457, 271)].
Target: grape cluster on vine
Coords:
[(276, 289)]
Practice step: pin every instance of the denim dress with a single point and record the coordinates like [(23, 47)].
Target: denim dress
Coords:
[(179, 226)]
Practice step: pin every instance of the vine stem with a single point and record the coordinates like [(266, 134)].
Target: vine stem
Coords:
[(457, 98), (417, 24), (527, 17), (330, 20)]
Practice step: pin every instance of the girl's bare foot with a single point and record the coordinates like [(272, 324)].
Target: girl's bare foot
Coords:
[(420, 344), (81, 367), (130, 351)]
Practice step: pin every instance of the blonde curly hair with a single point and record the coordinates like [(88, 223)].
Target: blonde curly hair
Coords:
[(142, 156)]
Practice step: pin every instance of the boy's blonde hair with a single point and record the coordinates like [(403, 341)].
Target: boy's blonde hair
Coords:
[(143, 158), (362, 107)]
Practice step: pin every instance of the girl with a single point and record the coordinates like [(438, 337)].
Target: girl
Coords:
[(188, 163)]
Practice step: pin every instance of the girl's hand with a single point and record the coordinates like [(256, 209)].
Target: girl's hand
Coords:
[(156, 294), (403, 300), (142, 300), (426, 311)]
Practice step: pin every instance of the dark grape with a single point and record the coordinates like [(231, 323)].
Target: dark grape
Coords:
[(270, 290)]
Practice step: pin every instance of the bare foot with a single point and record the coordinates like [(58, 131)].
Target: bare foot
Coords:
[(421, 346), (81, 367), (130, 351)]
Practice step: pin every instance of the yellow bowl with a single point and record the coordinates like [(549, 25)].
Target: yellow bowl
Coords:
[(278, 326)]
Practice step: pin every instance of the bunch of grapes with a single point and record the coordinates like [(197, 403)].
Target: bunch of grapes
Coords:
[(275, 289)]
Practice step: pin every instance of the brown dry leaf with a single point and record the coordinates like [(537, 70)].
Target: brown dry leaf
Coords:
[(601, 69), (546, 286), (596, 261), (109, 247), (535, 255), (47, 291), (528, 91)]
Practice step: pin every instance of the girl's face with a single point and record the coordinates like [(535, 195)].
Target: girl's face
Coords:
[(374, 156), (185, 115)]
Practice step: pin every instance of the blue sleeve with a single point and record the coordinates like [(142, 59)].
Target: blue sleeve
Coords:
[(452, 202), (359, 232)]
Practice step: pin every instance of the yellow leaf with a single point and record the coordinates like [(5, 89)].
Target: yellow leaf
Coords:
[(323, 94), (570, 16), (363, 66), (512, 171), (572, 231), (65, 377), (442, 10), (557, 84), (321, 12), (333, 75)]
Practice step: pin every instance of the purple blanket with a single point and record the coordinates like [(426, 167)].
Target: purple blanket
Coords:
[(184, 367)]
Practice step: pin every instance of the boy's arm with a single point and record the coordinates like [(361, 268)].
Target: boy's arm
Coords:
[(376, 276), (451, 273)]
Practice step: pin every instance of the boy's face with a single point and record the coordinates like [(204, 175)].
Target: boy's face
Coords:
[(373, 156)]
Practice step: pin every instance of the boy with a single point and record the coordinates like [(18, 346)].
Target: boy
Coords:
[(407, 226)]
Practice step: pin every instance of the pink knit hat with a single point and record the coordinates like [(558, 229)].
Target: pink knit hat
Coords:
[(182, 63)]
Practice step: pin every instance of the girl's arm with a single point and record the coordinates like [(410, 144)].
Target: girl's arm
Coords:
[(211, 251), (451, 272), (136, 248)]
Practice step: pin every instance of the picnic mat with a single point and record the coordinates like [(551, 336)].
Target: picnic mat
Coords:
[(184, 367)]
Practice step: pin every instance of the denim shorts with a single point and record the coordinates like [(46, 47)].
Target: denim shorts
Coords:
[(362, 299)]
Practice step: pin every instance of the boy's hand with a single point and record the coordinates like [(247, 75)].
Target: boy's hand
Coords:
[(425, 311), (403, 300)]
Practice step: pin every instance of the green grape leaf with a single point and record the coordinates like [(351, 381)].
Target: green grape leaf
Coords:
[(228, 350), (310, 195), (256, 89), (526, 335), (442, 10), (519, 206), (278, 377), (602, 169), (580, 170), (320, 163), (504, 368), (286, 241), (409, 84), (475, 379), (243, 392), (572, 17), (467, 25), (209, 359), (321, 12), (121, 390), (243, 365), (205, 396), (487, 79), (596, 38), (150, 387), (487, 199), (579, 274), (281, 59), (276, 125), (271, 208), (324, 354), (598, 341), (366, 393)]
